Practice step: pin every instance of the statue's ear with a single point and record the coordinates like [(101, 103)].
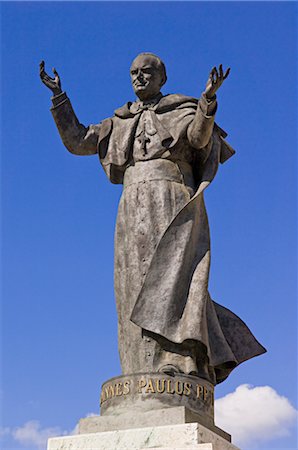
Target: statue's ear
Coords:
[(164, 80)]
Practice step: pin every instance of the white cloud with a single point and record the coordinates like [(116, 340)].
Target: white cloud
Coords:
[(31, 433), (91, 415), (254, 414)]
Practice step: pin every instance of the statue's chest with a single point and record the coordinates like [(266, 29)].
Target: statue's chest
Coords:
[(147, 143)]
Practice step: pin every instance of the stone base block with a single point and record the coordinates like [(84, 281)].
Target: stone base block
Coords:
[(185, 437), (196, 447), (132, 419)]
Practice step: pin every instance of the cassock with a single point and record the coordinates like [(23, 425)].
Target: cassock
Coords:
[(165, 153)]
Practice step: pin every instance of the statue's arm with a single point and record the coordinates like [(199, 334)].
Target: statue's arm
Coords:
[(200, 130), (77, 138)]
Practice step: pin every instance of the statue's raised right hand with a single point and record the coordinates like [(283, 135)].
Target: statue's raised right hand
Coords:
[(52, 83)]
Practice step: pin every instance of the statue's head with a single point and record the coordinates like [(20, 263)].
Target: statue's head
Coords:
[(148, 75)]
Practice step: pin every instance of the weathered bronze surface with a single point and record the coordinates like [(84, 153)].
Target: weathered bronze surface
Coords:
[(165, 150), (149, 391)]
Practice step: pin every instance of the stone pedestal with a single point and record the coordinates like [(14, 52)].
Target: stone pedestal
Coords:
[(174, 428), (150, 411), (160, 417), (191, 436)]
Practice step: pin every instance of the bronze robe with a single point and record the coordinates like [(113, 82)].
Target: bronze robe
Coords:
[(162, 248)]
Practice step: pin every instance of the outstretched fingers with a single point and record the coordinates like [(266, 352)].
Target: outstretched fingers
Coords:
[(46, 77), (213, 75), (227, 73), (215, 80), (43, 75), (57, 78), (220, 75), (41, 69)]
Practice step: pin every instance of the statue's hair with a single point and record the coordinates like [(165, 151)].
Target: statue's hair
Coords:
[(160, 64)]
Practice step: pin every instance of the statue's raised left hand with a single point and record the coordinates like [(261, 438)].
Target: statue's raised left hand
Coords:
[(52, 83), (215, 80)]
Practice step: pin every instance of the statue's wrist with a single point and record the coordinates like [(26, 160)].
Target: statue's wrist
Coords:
[(210, 97), (207, 105), (56, 91), (58, 99)]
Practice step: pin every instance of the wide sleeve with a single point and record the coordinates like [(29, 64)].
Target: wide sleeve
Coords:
[(200, 129), (77, 138)]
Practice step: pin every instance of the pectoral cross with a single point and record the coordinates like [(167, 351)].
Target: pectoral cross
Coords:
[(143, 140)]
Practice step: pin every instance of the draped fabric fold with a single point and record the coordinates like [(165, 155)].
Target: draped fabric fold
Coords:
[(162, 244), (174, 301)]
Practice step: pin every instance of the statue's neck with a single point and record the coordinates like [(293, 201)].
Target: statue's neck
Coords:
[(151, 101)]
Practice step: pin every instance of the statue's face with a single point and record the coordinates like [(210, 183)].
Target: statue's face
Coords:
[(146, 77)]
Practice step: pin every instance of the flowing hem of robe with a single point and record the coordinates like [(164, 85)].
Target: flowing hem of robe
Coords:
[(174, 301)]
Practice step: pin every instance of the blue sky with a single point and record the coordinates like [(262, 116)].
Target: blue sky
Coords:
[(58, 211)]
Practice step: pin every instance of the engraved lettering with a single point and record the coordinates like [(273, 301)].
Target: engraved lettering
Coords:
[(119, 390), (107, 393), (205, 393), (141, 384), (111, 391), (199, 391), (169, 387), (126, 387), (187, 387), (160, 386), (150, 388), (179, 388)]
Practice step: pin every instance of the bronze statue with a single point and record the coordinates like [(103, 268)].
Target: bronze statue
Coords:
[(165, 150)]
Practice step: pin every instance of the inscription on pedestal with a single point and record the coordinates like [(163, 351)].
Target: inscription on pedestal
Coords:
[(154, 386), (143, 391)]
